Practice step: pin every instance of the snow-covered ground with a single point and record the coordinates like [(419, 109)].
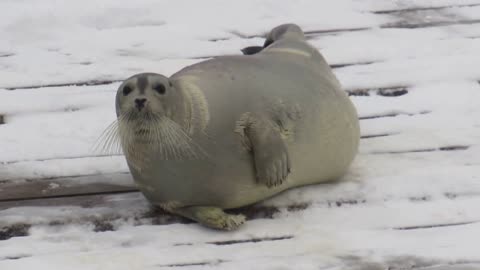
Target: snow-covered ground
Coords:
[(410, 200)]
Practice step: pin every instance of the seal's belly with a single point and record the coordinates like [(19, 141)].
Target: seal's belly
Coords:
[(225, 176), (214, 181)]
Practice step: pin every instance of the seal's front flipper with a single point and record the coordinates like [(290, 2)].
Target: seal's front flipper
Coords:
[(212, 217), (272, 162), (251, 50)]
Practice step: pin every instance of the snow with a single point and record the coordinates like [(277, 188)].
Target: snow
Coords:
[(121, 37), (385, 212)]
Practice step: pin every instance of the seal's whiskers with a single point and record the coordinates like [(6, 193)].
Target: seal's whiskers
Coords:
[(176, 143), (109, 142), (147, 137)]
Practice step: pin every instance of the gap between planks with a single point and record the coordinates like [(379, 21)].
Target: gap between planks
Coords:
[(443, 148), (415, 9)]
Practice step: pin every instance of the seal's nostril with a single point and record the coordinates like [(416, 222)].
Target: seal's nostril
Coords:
[(140, 102)]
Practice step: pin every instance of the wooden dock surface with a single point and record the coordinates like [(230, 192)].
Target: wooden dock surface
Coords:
[(410, 200)]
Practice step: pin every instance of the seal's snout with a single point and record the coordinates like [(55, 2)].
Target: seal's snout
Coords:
[(140, 103)]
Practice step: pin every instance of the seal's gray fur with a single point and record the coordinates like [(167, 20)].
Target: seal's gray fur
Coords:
[(255, 125)]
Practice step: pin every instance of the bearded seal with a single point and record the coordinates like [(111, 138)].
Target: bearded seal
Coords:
[(234, 130)]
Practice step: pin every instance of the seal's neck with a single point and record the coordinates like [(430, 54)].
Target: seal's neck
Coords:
[(194, 115)]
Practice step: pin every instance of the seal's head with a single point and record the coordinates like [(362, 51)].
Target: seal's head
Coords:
[(151, 120), (146, 96)]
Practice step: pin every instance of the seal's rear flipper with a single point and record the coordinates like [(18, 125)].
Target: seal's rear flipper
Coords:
[(288, 30), (251, 50), (277, 33), (212, 217)]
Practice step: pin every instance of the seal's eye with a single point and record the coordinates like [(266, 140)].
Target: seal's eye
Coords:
[(126, 90), (160, 88)]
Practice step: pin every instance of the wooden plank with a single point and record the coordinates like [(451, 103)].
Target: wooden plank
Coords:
[(401, 24), (128, 200), (77, 185), (395, 25), (80, 185), (408, 25), (97, 200), (394, 263), (395, 91), (65, 186), (116, 207), (95, 82), (12, 189), (8, 162)]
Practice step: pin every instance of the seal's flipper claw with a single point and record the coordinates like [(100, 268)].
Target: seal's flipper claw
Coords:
[(212, 217), (251, 50), (270, 153)]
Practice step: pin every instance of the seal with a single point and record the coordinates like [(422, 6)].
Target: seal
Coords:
[(234, 130)]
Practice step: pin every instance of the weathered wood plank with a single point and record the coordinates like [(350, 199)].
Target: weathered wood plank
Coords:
[(95, 82), (8, 162), (132, 204), (85, 200), (58, 187), (408, 25), (401, 24), (464, 265), (81, 200), (65, 186)]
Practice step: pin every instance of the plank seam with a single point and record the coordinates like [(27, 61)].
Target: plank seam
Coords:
[(128, 190), (414, 9), (433, 226)]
